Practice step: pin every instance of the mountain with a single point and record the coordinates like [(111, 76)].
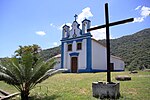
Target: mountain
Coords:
[(49, 53), (133, 49)]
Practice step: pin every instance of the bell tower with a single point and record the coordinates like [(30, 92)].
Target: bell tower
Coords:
[(85, 25), (65, 31)]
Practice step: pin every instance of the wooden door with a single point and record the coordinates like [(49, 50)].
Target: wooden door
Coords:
[(112, 66), (74, 64)]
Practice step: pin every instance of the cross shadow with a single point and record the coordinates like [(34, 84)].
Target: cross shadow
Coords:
[(48, 97)]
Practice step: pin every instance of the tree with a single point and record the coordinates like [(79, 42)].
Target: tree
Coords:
[(24, 73)]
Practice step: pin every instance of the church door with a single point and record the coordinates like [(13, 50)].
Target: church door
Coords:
[(74, 64)]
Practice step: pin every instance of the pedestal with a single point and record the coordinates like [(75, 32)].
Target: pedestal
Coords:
[(106, 90)]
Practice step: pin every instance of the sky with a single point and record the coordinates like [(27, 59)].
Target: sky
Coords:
[(27, 22)]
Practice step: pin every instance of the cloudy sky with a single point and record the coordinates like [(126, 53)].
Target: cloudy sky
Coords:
[(27, 22)]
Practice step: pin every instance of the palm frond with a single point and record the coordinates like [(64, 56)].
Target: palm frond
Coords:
[(41, 68), (10, 70), (8, 79)]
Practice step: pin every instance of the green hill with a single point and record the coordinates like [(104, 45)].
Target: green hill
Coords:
[(48, 53), (134, 49)]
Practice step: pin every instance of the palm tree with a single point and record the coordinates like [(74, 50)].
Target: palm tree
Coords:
[(23, 74)]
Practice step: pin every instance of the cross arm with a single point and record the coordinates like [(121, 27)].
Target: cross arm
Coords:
[(121, 22), (112, 24)]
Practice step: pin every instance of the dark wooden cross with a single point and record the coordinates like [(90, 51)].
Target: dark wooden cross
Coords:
[(107, 25)]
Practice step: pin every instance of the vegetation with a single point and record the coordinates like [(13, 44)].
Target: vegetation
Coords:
[(78, 86), (133, 49), (49, 53), (25, 69)]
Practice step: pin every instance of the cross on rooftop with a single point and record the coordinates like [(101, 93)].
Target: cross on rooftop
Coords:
[(107, 25), (75, 16)]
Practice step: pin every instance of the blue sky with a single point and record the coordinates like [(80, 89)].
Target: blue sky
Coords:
[(27, 22)]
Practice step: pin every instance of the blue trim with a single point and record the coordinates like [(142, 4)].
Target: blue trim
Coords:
[(92, 71), (83, 71), (69, 42), (89, 54), (83, 35), (80, 32), (79, 40), (74, 54), (62, 55)]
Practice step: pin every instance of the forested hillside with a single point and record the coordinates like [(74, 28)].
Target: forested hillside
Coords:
[(133, 49), (48, 53)]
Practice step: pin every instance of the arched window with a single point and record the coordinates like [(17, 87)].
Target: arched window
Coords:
[(85, 27), (69, 47), (65, 33), (79, 46)]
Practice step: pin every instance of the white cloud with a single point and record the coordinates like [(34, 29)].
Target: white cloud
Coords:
[(41, 33), (86, 13), (137, 7), (144, 13), (99, 34), (52, 25), (55, 44), (139, 19)]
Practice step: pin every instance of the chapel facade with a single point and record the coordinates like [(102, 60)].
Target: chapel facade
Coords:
[(82, 53)]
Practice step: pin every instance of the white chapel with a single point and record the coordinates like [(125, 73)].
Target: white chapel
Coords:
[(82, 53)]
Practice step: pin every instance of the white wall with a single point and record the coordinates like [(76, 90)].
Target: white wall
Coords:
[(65, 56), (99, 60), (58, 64), (98, 56), (81, 56), (118, 63)]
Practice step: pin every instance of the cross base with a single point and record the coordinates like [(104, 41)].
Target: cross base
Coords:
[(104, 90)]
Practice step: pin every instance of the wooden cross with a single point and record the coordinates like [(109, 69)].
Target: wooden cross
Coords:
[(107, 25)]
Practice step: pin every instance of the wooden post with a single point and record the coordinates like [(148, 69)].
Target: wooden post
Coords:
[(108, 43)]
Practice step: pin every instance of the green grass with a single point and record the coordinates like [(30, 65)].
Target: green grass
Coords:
[(79, 86)]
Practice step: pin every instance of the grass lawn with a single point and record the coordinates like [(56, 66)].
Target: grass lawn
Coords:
[(79, 86)]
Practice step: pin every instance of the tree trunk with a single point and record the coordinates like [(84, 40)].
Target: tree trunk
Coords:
[(24, 95)]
